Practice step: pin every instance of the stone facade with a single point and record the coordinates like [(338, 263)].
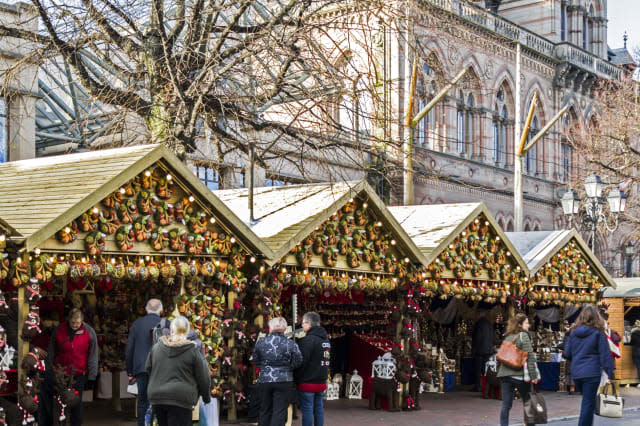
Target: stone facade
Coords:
[(18, 104)]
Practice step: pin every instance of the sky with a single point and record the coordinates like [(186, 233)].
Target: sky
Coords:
[(624, 15)]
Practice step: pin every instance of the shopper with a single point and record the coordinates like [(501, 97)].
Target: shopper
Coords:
[(512, 379), (138, 347), (635, 345), (74, 346), (277, 357), (311, 377), (481, 347), (588, 350), (178, 375)]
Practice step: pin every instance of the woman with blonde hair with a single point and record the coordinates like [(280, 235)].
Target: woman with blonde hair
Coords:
[(178, 375), (588, 350), (512, 379)]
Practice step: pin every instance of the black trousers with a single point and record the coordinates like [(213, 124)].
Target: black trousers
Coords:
[(46, 409), (171, 415), (274, 400), (509, 386), (479, 362)]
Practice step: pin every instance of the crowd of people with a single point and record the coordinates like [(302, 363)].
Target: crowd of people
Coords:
[(164, 359)]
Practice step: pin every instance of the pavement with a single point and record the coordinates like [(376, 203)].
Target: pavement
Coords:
[(451, 408)]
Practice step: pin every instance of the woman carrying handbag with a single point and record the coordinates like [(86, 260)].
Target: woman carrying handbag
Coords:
[(588, 350), (512, 371)]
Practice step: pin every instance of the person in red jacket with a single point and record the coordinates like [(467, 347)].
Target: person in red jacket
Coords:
[(73, 346)]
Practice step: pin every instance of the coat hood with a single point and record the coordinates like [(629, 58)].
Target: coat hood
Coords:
[(317, 331), (173, 346), (584, 331)]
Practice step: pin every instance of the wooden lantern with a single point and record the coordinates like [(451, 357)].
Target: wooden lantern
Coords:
[(333, 391), (384, 367), (355, 386)]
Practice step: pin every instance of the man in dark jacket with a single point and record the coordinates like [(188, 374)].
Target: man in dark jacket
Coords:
[(311, 377), (73, 345), (481, 346), (138, 347), (178, 375), (635, 345), (277, 358)]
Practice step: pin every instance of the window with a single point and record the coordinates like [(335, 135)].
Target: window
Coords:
[(564, 30), (426, 132), (567, 162), (4, 140), (469, 123), (275, 182), (531, 158), (208, 176), (585, 33), (500, 135), (461, 136)]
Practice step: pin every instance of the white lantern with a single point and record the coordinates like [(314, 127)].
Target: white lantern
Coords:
[(355, 386), (384, 367), (333, 391)]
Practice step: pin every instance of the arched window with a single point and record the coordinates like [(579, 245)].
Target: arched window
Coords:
[(364, 108), (465, 125), (527, 228), (531, 158), (585, 32), (500, 115), (564, 22), (590, 31), (510, 226), (469, 123), (426, 134)]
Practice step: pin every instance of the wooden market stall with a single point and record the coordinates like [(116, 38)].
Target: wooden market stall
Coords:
[(469, 265), (341, 253), (624, 310), (106, 230), (564, 273)]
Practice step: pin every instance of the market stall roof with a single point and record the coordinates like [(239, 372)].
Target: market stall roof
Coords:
[(9, 229), (42, 195), (433, 227), (285, 215), (537, 247), (625, 287)]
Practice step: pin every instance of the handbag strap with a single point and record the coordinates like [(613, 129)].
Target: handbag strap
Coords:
[(605, 387)]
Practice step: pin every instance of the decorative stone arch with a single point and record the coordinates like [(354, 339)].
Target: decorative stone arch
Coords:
[(502, 106), (537, 225), (430, 130), (509, 227), (469, 102)]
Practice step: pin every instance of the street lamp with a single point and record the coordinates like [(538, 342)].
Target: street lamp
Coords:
[(629, 252), (593, 206)]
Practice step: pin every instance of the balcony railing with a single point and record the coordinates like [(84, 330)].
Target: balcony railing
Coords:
[(562, 51)]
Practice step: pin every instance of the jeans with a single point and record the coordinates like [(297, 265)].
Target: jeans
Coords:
[(142, 380), (47, 408), (479, 362), (172, 415), (274, 401), (312, 408), (509, 385), (588, 386)]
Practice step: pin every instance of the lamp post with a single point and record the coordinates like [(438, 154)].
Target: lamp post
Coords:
[(593, 205), (629, 252)]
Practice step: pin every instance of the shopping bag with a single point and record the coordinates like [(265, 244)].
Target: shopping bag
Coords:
[(132, 389), (535, 409), (209, 413), (609, 405)]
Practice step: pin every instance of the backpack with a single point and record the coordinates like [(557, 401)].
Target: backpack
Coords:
[(159, 330)]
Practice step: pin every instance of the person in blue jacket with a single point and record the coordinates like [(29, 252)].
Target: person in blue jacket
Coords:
[(588, 350)]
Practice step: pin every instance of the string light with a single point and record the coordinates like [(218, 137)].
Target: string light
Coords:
[(252, 259), (37, 251), (393, 242), (122, 190), (169, 177), (67, 229), (3, 237), (212, 220), (191, 199), (233, 240), (147, 173)]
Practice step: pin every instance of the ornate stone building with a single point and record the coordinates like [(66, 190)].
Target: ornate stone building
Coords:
[(19, 93)]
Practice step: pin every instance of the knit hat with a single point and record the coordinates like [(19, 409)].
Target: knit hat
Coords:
[(637, 323)]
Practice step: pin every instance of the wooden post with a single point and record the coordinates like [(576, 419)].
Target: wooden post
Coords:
[(232, 415), (116, 404), (23, 346)]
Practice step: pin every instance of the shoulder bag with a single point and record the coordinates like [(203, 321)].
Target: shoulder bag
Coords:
[(535, 408), (609, 405), (510, 356)]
